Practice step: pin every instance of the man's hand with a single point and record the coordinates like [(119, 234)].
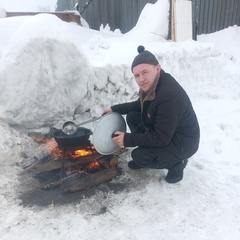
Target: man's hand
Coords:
[(107, 110), (119, 138)]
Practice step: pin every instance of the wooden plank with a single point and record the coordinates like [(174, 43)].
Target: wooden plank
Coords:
[(90, 180), (173, 36), (62, 180), (183, 20), (27, 169), (33, 165)]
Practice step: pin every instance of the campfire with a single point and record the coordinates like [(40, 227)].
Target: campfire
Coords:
[(73, 167)]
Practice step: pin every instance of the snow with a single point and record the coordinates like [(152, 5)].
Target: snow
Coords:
[(51, 71)]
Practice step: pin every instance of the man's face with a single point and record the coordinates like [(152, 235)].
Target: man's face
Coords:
[(146, 75)]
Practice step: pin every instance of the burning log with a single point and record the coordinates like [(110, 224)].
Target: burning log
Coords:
[(83, 180), (55, 165), (90, 180)]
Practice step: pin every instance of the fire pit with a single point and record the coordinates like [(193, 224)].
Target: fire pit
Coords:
[(74, 167)]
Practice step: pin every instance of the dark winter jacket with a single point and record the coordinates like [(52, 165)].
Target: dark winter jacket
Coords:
[(167, 115)]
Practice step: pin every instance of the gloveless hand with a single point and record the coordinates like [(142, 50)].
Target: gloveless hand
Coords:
[(119, 138), (107, 110)]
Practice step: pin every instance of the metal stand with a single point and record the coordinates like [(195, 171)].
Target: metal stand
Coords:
[(62, 166)]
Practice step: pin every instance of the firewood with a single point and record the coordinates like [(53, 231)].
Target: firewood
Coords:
[(90, 180), (25, 170), (33, 165), (113, 162), (54, 165), (62, 180)]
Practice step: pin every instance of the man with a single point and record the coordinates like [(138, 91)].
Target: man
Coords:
[(163, 124)]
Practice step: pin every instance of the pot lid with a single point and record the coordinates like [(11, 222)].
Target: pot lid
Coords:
[(102, 134)]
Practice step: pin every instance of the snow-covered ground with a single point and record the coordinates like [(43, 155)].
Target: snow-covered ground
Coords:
[(51, 71)]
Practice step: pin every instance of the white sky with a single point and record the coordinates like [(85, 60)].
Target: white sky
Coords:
[(28, 5), (49, 69)]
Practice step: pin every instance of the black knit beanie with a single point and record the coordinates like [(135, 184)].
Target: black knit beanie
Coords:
[(144, 57)]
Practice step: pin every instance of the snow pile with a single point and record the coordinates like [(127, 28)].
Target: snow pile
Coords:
[(157, 13), (229, 44), (3, 13), (49, 71)]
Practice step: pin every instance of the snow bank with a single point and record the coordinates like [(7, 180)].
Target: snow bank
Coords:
[(153, 23), (55, 80), (52, 77), (3, 13)]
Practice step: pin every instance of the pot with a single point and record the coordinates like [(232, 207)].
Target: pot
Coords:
[(80, 137), (102, 134)]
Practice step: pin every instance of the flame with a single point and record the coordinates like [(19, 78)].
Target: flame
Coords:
[(50, 144), (53, 148), (82, 152), (90, 168), (57, 153), (94, 165)]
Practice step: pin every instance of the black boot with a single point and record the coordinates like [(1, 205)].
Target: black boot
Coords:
[(133, 165), (175, 174)]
